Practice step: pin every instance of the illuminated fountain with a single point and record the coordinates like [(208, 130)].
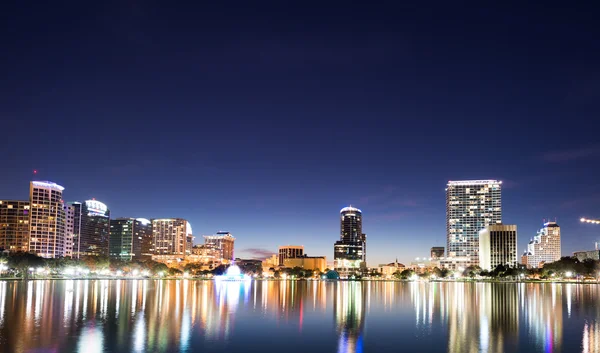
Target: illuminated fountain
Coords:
[(233, 273)]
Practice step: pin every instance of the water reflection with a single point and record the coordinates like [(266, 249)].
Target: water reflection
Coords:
[(186, 315), (349, 310)]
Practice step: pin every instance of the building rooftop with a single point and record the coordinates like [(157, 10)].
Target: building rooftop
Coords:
[(350, 209), (473, 182)]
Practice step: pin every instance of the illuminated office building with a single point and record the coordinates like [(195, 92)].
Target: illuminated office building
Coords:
[(290, 252), (46, 219), (14, 225), (350, 252), (91, 228), (224, 242), (544, 247), (471, 205), (130, 238), (498, 246), (172, 236)]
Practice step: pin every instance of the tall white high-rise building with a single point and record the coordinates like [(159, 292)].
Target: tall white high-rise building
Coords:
[(47, 236), (498, 246), (172, 236), (544, 247), (471, 205)]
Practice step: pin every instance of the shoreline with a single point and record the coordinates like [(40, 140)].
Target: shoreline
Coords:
[(302, 280)]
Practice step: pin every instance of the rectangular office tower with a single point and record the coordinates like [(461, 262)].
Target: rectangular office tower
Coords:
[(47, 236), (14, 225), (471, 205), (498, 246), (130, 238)]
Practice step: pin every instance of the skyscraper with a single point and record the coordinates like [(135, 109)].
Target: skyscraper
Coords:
[(93, 218), (498, 246), (544, 247), (224, 243), (130, 238), (14, 225), (471, 205), (172, 236), (46, 219), (350, 252)]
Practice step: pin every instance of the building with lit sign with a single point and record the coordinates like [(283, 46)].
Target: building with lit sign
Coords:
[(224, 242), (471, 205), (350, 252), (498, 246), (46, 219), (544, 247), (130, 238), (14, 225)]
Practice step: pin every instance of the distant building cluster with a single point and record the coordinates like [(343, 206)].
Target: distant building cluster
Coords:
[(48, 226)]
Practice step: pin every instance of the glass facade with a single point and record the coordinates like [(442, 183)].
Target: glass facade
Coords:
[(350, 252), (471, 205), (129, 237)]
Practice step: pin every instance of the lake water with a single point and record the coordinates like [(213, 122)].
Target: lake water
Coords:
[(296, 316)]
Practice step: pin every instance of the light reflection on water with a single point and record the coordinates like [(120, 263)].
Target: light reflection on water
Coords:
[(344, 317)]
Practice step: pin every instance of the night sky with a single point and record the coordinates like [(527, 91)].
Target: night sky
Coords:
[(266, 120)]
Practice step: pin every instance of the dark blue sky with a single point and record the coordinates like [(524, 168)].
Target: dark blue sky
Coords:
[(265, 121)]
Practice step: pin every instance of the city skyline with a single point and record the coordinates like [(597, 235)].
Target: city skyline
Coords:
[(253, 117), (264, 253)]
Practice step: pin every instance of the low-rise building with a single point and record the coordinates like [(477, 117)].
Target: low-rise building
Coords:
[(457, 263), (314, 263), (387, 270)]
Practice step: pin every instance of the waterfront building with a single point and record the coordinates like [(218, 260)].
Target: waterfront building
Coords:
[(172, 237), (471, 205), (46, 219), (91, 228), (350, 252), (314, 263), (271, 262), (498, 246), (544, 247), (206, 255), (224, 242), (14, 225), (422, 265), (130, 238), (290, 252), (458, 263), (437, 252), (388, 270)]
